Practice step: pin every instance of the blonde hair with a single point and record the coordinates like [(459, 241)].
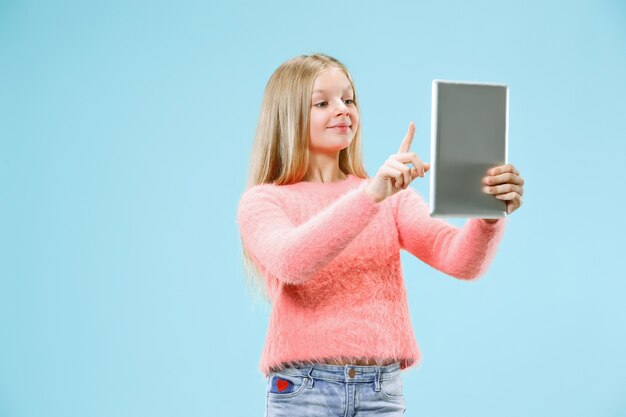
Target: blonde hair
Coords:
[(280, 152)]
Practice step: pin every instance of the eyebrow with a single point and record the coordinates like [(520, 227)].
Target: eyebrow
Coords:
[(344, 90)]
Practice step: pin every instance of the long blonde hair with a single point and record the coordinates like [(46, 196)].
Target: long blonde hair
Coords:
[(280, 152)]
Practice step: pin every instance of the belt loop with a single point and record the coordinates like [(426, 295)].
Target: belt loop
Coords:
[(377, 381), (310, 384)]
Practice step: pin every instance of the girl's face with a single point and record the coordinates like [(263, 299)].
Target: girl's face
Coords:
[(334, 116)]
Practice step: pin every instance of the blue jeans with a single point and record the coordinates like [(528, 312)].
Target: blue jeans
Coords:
[(331, 390)]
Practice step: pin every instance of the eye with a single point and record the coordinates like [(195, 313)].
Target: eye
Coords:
[(349, 101), (321, 104)]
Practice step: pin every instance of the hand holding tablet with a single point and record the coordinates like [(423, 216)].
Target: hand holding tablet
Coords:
[(505, 183)]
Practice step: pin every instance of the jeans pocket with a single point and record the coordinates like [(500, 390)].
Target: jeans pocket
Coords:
[(392, 388), (285, 386)]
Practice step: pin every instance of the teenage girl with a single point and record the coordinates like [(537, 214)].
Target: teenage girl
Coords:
[(325, 241)]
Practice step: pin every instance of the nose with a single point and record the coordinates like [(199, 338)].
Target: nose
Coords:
[(342, 108)]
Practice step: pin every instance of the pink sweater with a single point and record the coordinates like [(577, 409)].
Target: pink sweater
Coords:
[(330, 257)]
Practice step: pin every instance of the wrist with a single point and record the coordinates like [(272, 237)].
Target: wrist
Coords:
[(371, 195)]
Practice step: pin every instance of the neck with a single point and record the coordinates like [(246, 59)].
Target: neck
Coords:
[(324, 168)]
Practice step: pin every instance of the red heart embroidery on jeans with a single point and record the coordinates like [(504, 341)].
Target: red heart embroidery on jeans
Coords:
[(282, 385)]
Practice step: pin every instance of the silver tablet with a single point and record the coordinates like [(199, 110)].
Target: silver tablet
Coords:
[(469, 135)]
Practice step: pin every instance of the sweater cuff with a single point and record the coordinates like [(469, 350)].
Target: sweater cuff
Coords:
[(489, 227)]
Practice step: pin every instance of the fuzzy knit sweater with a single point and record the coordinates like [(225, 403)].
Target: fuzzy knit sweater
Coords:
[(330, 259)]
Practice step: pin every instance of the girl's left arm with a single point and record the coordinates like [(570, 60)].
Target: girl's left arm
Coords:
[(463, 253)]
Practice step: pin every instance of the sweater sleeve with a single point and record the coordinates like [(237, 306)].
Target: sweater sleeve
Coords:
[(463, 253), (294, 254)]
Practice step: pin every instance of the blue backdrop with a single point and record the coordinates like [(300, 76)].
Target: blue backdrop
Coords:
[(125, 132)]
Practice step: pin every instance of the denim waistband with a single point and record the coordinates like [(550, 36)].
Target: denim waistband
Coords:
[(345, 373)]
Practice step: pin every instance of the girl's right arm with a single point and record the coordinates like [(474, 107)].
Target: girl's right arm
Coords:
[(294, 254)]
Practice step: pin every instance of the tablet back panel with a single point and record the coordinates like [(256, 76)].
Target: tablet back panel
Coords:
[(469, 129)]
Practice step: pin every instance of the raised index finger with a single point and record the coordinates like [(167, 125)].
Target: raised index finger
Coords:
[(406, 142)]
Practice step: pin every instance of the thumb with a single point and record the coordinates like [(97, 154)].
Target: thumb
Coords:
[(426, 166)]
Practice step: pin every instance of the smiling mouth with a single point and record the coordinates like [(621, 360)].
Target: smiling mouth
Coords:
[(345, 122)]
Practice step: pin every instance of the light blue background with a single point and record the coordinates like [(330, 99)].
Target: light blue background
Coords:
[(125, 132)]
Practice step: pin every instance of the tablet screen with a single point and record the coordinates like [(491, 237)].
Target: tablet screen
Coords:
[(469, 129)]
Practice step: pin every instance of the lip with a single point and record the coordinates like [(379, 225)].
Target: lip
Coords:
[(342, 129), (340, 125)]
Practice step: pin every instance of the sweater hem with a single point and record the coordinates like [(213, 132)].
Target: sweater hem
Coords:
[(405, 363)]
